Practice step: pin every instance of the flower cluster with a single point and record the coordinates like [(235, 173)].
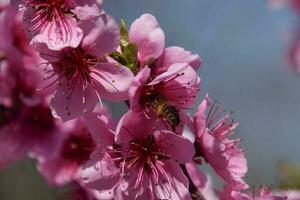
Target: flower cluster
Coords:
[(60, 58)]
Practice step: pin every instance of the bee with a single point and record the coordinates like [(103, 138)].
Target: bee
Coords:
[(163, 110)]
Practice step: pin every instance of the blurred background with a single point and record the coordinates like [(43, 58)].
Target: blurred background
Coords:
[(243, 47)]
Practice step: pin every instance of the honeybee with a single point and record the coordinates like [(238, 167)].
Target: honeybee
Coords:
[(162, 109)]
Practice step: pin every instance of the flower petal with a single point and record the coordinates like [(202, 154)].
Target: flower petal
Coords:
[(175, 146), (113, 80), (229, 193), (134, 126), (71, 100), (179, 184), (87, 9), (58, 36), (201, 180), (228, 162), (101, 35), (100, 174), (57, 171), (136, 89), (97, 124), (181, 85), (148, 36), (11, 146), (174, 55), (200, 116)]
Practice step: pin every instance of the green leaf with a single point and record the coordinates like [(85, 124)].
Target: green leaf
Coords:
[(289, 176), (117, 56), (129, 51), (124, 39), (130, 55)]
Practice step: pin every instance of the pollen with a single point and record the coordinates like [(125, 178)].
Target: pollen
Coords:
[(73, 146)]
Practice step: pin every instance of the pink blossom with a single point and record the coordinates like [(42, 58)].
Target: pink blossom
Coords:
[(294, 52), (26, 130), (146, 33), (57, 22), (26, 123), (83, 75), (167, 80), (167, 93), (17, 60), (13, 41), (143, 162), (213, 144), (73, 149), (18, 86), (295, 4)]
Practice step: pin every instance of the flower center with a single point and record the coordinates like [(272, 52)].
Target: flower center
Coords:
[(49, 11), (76, 65), (39, 116), (145, 158), (78, 148), (144, 153), (7, 115)]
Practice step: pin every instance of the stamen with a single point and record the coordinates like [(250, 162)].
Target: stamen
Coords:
[(222, 127), (174, 77), (50, 13), (145, 155)]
